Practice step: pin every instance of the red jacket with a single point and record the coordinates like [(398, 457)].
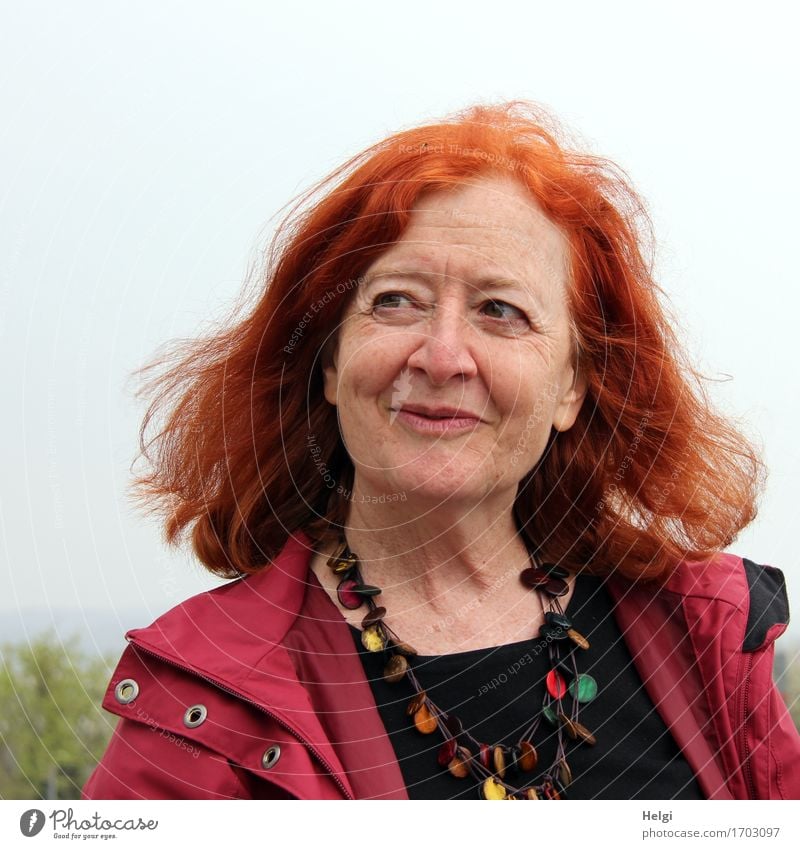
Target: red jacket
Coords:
[(265, 673)]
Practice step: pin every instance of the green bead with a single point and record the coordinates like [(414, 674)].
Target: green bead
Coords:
[(583, 688), (550, 715)]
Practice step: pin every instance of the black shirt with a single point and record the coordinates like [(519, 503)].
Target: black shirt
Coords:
[(497, 691)]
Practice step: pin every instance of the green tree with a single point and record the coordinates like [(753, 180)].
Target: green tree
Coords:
[(52, 727)]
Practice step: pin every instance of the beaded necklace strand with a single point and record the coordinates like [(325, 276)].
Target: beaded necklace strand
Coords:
[(503, 772)]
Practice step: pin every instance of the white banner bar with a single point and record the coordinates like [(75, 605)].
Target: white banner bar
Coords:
[(168, 824)]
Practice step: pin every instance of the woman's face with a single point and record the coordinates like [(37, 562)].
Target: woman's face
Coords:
[(454, 357)]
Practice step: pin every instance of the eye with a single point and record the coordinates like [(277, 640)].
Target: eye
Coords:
[(391, 300), (504, 311), (398, 306)]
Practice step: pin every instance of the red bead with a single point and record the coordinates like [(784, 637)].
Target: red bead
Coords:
[(349, 599), (534, 578), (555, 683), (447, 751)]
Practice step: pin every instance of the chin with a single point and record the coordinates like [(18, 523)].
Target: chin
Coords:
[(440, 479)]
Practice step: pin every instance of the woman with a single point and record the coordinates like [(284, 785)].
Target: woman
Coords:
[(475, 499)]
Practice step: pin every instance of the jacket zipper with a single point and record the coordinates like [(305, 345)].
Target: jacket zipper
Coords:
[(277, 719), (748, 769)]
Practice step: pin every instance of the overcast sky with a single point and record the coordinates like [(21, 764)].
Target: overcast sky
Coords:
[(145, 149)]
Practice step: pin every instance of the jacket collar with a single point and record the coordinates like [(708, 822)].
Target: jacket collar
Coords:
[(232, 636), (685, 641)]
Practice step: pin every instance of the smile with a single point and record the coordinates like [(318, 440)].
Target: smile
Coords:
[(437, 424)]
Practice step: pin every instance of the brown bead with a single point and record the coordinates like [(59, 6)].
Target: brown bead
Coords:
[(556, 587), (578, 639), (564, 773), (531, 793), (583, 733), (499, 759), (334, 559), (416, 703), (529, 757), (406, 649), (424, 720), (366, 590), (395, 669), (569, 726), (373, 616)]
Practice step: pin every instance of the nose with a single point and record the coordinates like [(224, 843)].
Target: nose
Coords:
[(444, 349)]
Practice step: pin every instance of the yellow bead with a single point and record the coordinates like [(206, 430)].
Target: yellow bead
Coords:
[(372, 639), (493, 790)]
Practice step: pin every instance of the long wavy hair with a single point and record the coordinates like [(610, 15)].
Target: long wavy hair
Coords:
[(249, 450)]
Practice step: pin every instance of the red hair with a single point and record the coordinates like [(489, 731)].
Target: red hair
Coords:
[(647, 476)]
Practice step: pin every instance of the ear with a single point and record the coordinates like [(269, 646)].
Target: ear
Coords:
[(330, 372), (569, 404)]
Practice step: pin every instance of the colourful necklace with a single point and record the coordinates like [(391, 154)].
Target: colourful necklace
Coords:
[(503, 772)]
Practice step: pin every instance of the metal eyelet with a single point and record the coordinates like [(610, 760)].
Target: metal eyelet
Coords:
[(194, 716), (126, 691), (271, 756)]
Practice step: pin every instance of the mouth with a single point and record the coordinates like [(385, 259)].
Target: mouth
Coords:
[(436, 420), (436, 413)]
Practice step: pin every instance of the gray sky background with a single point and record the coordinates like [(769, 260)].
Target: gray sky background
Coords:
[(145, 149)]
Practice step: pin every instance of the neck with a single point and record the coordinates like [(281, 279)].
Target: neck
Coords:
[(442, 561)]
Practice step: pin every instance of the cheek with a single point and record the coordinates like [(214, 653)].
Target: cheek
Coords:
[(516, 383), (526, 400), (370, 368)]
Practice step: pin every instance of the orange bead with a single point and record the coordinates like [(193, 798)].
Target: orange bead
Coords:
[(578, 639), (529, 757), (458, 767), (424, 720), (499, 759)]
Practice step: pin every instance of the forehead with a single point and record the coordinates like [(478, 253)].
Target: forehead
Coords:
[(492, 222)]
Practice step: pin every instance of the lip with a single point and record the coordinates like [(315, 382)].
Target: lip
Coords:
[(438, 411), (419, 419)]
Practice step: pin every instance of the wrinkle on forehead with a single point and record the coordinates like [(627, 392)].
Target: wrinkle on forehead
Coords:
[(489, 200), (501, 224)]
